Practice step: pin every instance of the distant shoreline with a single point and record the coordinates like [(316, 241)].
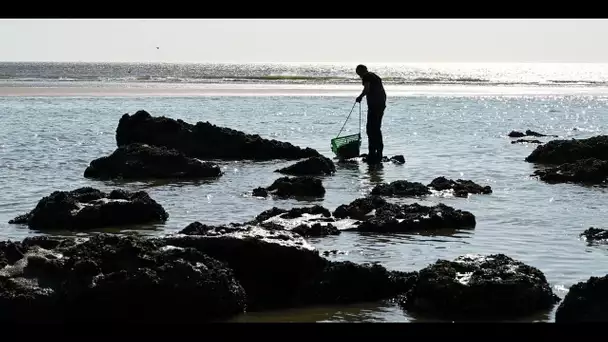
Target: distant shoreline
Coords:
[(109, 89)]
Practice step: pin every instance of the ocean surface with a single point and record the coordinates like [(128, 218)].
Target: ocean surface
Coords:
[(447, 120)]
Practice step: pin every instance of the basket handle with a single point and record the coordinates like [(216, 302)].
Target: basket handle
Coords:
[(349, 114)]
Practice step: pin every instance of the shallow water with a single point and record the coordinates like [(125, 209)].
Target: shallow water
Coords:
[(47, 142)]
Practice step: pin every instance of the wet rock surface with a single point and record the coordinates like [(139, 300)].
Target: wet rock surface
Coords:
[(518, 134), (397, 159), (461, 187), (585, 302), (377, 215), (88, 208), (595, 235), (526, 141), (141, 161), (313, 221), (401, 188), (279, 269), (569, 151), (111, 278), (360, 208), (313, 166), (316, 230), (394, 218), (292, 213), (479, 287), (204, 140), (298, 186), (588, 171)]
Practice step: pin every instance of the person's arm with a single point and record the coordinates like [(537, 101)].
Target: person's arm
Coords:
[(364, 92)]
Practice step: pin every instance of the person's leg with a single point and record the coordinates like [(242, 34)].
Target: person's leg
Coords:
[(373, 133), (379, 142), (371, 148)]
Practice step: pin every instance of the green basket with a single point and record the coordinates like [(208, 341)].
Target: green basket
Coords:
[(346, 147)]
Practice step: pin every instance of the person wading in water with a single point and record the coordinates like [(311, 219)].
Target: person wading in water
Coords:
[(374, 92)]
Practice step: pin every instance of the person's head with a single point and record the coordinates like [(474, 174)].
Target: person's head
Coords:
[(361, 70)]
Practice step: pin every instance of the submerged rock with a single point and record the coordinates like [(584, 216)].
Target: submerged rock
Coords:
[(401, 188), (313, 166), (140, 161), (479, 287), (585, 302), (117, 279), (568, 151), (517, 134), (588, 171), (88, 208), (394, 218), (530, 141), (204, 140), (595, 234), (462, 188), (299, 186)]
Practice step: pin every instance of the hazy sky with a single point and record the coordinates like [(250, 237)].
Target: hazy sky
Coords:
[(291, 40)]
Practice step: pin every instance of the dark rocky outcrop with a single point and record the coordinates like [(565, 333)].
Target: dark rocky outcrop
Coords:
[(595, 234), (527, 141), (401, 188), (88, 208), (299, 186), (588, 171), (569, 151), (461, 188), (360, 208), (479, 287), (291, 213), (116, 279), (316, 230), (140, 161), (378, 215), (517, 134), (397, 159), (204, 140), (585, 302), (313, 166), (394, 218), (279, 269)]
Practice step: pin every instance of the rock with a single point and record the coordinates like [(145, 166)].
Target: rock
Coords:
[(479, 287), (259, 192), (118, 279), (204, 140), (140, 161), (516, 134), (305, 221), (313, 166), (588, 171), (359, 208), (398, 159), (595, 234), (536, 134), (292, 213), (401, 188), (568, 151), (281, 270), (585, 302), (316, 230), (462, 188), (394, 218), (531, 141), (88, 208), (299, 186)]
